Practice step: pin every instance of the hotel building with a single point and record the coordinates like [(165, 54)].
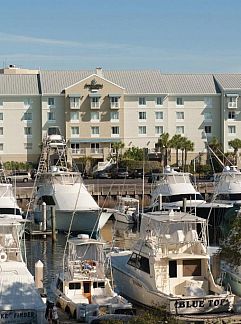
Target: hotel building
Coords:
[(97, 108)]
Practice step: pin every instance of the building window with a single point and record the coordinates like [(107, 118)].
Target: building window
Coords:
[(158, 130), (28, 102), (27, 131), (114, 116), (74, 102), (95, 148), (179, 101), (142, 101), (159, 115), (180, 130), (1, 131), (114, 102), (142, 130), (159, 101), (74, 116), (142, 115), (51, 116), (1, 146), (95, 102), (1, 116), (208, 102), (27, 116), (28, 146), (179, 115), (115, 131), (95, 131), (232, 130), (95, 116), (231, 114), (75, 148), (74, 131), (208, 115), (51, 102), (208, 129), (232, 102)]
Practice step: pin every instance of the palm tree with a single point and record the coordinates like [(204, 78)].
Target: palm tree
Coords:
[(236, 145), (175, 142), (163, 144), (117, 147), (188, 146)]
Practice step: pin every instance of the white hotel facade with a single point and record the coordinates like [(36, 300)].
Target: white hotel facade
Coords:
[(96, 108)]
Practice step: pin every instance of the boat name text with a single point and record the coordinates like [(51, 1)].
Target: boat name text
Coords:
[(200, 303), (16, 314)]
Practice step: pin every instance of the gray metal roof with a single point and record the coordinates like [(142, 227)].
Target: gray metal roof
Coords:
[(190, 84), (137, 82), (54, 82), (229, 81), (24, 84), (134, 82)]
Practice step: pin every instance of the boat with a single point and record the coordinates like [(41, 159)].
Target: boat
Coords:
[(227, 187), (127, 210), (175, 190), (8, 201), (21, 301), (168, 266), (61, 186), (83, 289)]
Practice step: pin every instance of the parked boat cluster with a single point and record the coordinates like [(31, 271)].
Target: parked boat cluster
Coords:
[(168, 266)]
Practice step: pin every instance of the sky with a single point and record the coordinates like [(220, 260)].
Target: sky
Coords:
[(174, 36)]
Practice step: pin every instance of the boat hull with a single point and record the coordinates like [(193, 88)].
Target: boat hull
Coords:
[(84, 221), (133, 288)]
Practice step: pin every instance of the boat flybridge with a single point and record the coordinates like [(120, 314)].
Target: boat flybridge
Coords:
[(83, 289), (60, 185), (169, 266)]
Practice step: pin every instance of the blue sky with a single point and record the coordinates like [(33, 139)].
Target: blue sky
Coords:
[(169, 35)]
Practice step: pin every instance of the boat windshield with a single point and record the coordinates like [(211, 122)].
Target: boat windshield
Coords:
[(86, 252)]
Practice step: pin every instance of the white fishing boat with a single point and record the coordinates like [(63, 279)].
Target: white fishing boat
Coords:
[(176, 190), (169, 266), (60, 186), (83, 289), (228, 186), (127, 210), (8, 201), (20, 299)]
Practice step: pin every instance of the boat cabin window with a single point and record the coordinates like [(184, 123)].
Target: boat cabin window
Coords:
[(140, 262), (191, 268), (60, 285), (74, 285), (172, 268), (100, 284)]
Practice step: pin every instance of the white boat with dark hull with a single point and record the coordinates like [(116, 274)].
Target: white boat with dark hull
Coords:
[(20, 299), (83, 289), (169, 266), (62, 187), (172, 188), (227, 187), (127, 210)]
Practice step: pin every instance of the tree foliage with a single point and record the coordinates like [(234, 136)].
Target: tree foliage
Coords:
[(230, 248), (134, 153)]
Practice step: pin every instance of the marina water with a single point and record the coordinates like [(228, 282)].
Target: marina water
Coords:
[(51, 253)]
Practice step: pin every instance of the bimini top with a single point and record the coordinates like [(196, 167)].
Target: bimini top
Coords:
[(165, 216)]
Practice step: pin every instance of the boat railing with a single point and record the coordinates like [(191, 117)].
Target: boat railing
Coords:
[(86, 268)]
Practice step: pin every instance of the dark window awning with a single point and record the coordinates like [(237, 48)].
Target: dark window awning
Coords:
[(95, 95), (232, 95), (94, 140), (74, 95), (114, 95)]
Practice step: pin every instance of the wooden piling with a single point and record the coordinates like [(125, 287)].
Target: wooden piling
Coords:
[(53, 223)]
